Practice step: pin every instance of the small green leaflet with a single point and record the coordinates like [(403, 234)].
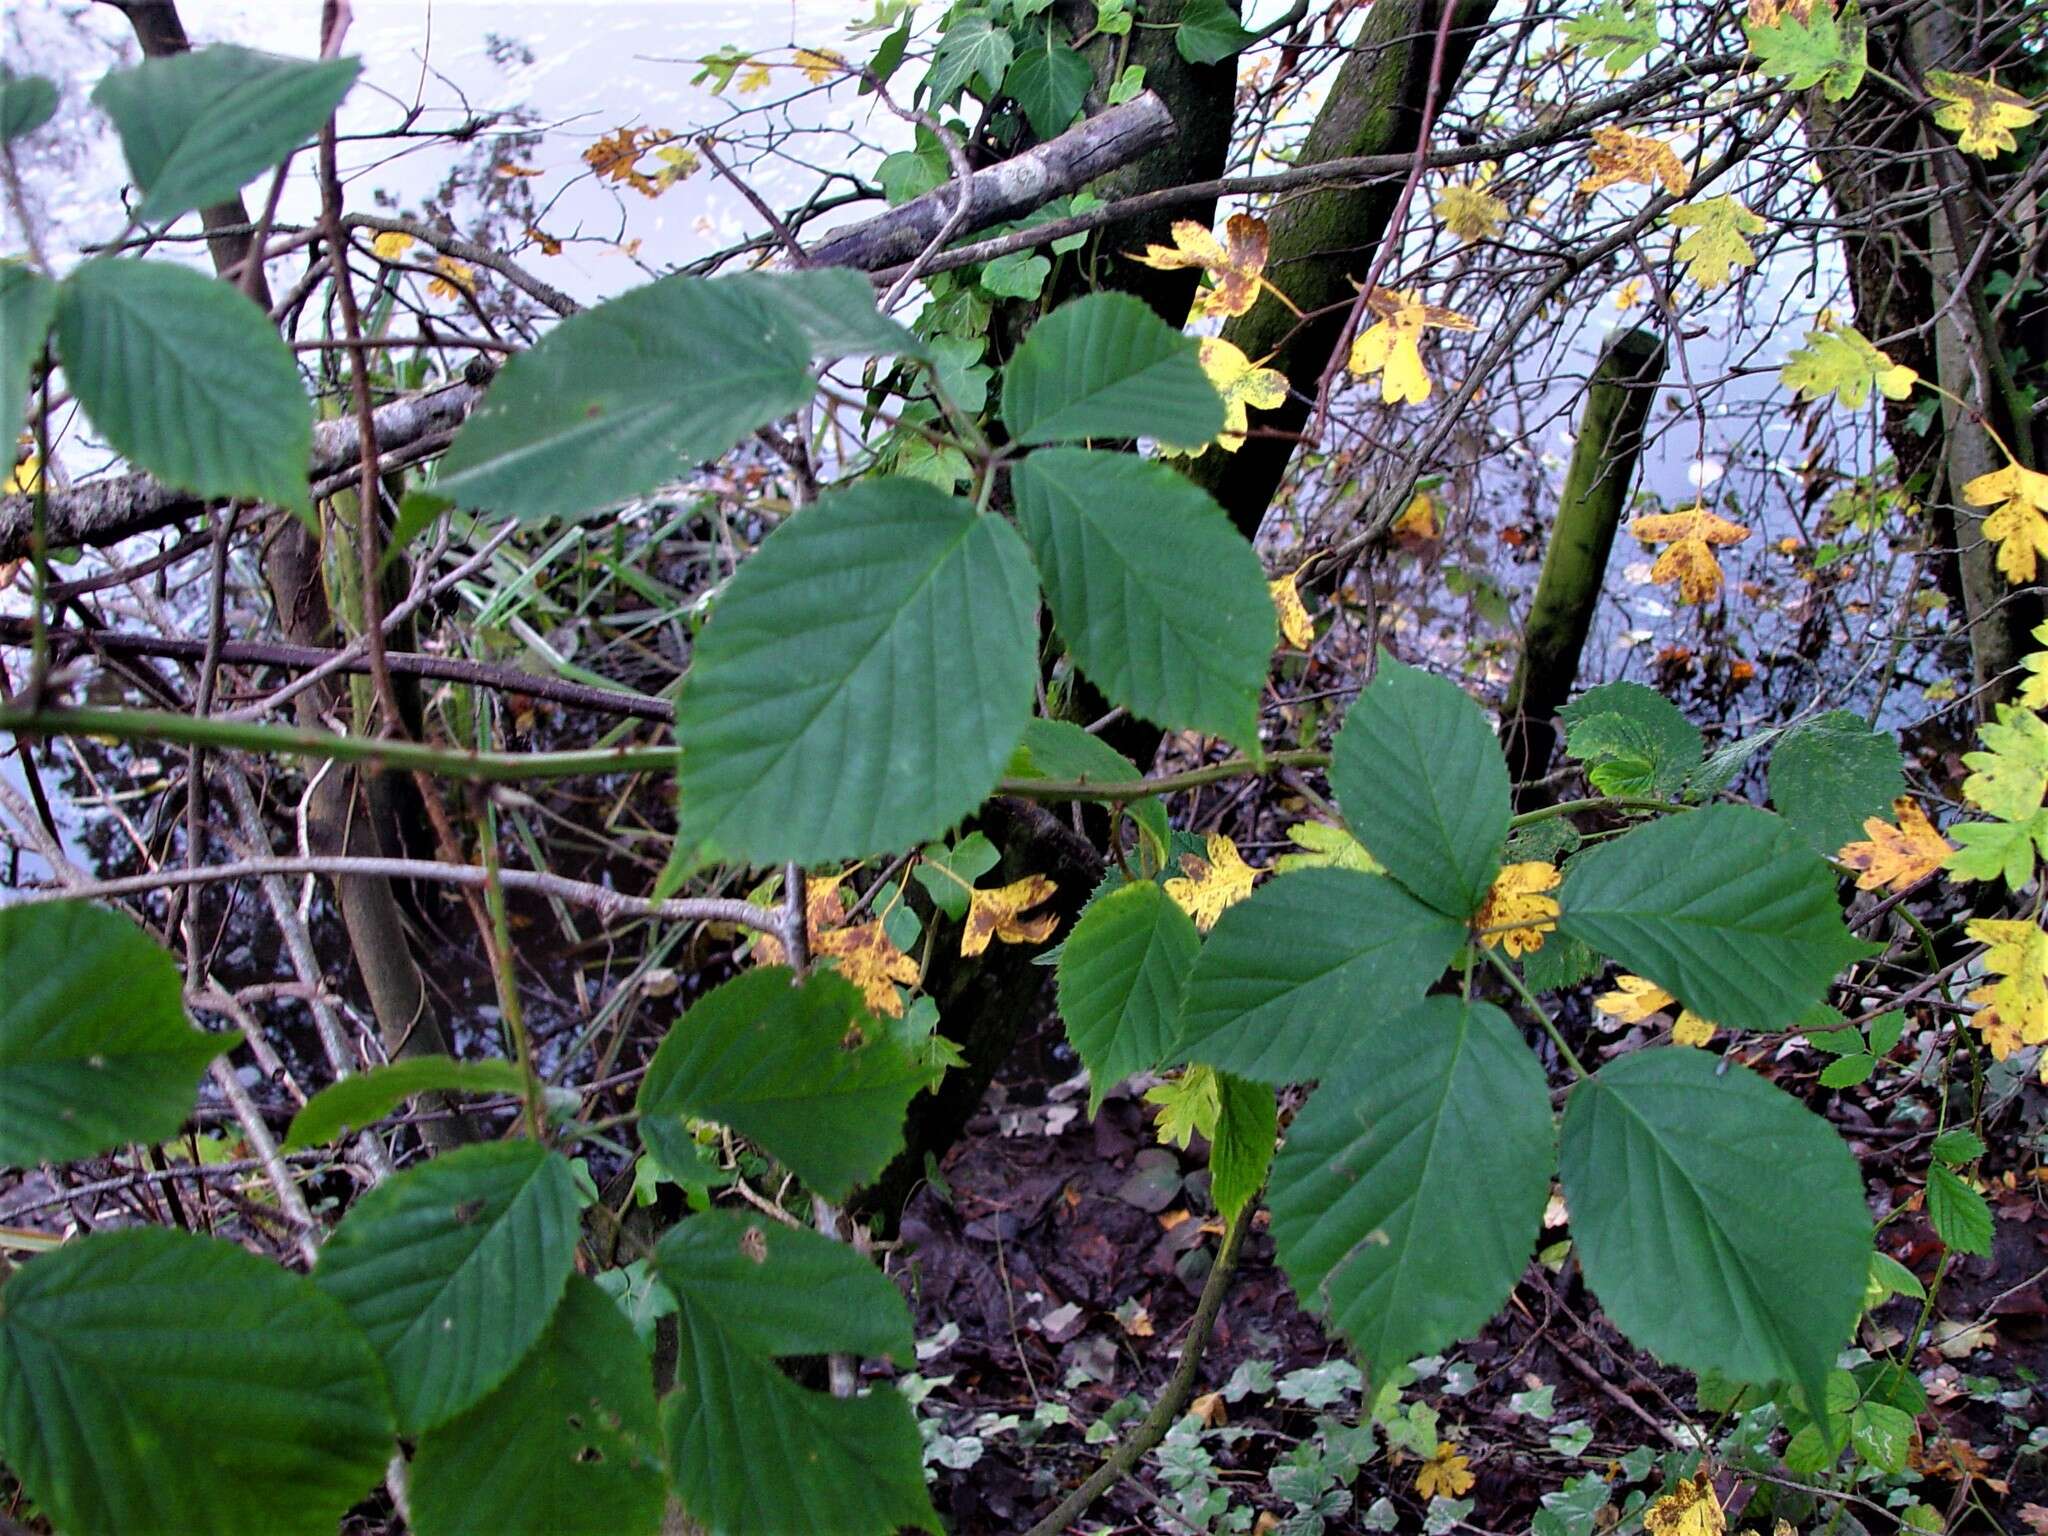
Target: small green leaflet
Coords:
[(1209, 32), (1122, 974), (1960, 1216)]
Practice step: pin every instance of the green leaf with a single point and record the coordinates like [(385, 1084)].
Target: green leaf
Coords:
[(1297, 975), (1209, 32), (750, 1452), (1617, 33), (1018, 275), (1163, 603), (1819, 49), (772, 1060), (1411, 1189), (1104, 366), (1561, 962), (966, 861), (184, 375), (27, 301), (1881, 1434), (360, 1101), (1725, 907), (1957, 1147), (1997, 850), (1247, 1130), (1122, 973), (26, 103), (132, 1363), (1686, 1177), (1848, 1071), (1049, 83), (197, 127), (94, 1047), (618, 399), (1061, 750), (1632, 740), (1830, 773), (453, 1269), (1894, 1279), (1960, 1216), (834, 307), (862, 682), (973, 48), (1424, 786), (570, 1446)]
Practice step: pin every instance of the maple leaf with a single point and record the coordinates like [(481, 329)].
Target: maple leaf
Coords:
[(1993, 850), (1235, 263), (1813, 49), (2011, 773), (1295, 627), (819, 64), (23, 479), (616, 157), (2019, 523), (754, 78), (1241, 383), (1209, 885), (2017, 950), (1896, 855), (2034, 686), (391, 244), (1446, 1473), (1690, 561), (1620, 156), (1391, 348), (1190, 1103), (1842, 362), (1618, 33), (1516, 914), (999, 914), (1715, 247), (1690, 1509), (678, 163), (455, 280), (549, 245), (1633, 999), (1419, 519), (1691, 1029), (1326, 847), (861, 952), (1981, 113), (1629, 295), (1469, 211)]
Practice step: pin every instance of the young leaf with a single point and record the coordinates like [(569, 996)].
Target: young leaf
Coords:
[(28, 300), (751, 1452), (1957, 1147), (1162, 602), (1412, 1185), (94, 1047), (1247, 1130), (1122, 973), (1209, 32), (1829, 773), (947, 874), (186, 377), (862, 682), (1960, 1216), (1726, 907), (1049, 83), (197, 127), (453, 1269), (1294, 977), (1059, 749), (362, 1100), (1632, 740), (1715, 247), (568, 1447), (1981, 113), (1105, 367), (1684, 1175), (1424, 786), (130, 1361)]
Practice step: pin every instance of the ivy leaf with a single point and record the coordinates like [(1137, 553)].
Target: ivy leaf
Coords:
[(886, 628), (1019, 275), (1236, 264), (750, 1451), (1423, 784), (1684, 1174), (1689, 563), (1296, 975), (1901, 855), (973, 49), (1104, 366), (28, 301), (1715, 247), (1412, 1185), (1616, 32), (361, 1100), (1122, 973), (453, 1269), (1209, 32), (1162, 602), (1829, 773), (1842, 362), (966, 862), (1960, 1216), (1981, 113), (186, 377), (2018, 523), (1618, 156), (568, 1447), (1816, 48), (1633, 741), (26, 103), (197, 127), (1391, 345), (1240, 1151), (1049, 83), (801, 1069), (2009, 777), (1726, 907), (128, 1360), (95, 1049)]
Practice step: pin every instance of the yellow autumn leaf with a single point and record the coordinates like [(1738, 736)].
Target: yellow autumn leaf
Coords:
[(861, 952), (1691, 1029), (1000, 914), (754, 78), (2018, 523), (678, 163), (1619, 156), (1715, 246), (1390, 347), (1447, 1473), (1209, 885), (391, 244), (1419, 519), (1629, 295), (549, 245), (456, 279), (1295, 627), (1633, 999), (819, 64), (616, 157), (2017, 951), (1190, 1103), (1981, 113), (1236, 263), (1516, 913), (1242, 384), (2010, 775), (1896, 856), (24, 477), (1689, 562), (1326, 847), (2034, 686), (1690, 1509), (1469, 211), (1841, 361)]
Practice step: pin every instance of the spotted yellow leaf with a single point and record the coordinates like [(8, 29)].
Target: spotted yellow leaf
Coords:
[(2018, 522), (1715, 246), (754, 78), (819, 64), (1898, 853), (1295, 626), (391, 244), (1469, 211), (1618, 156), (24, 477), (1236, 263), (1516, 913), (1242, 384), (1690, 1509), (1691, 1029), (1689, 561), (2017, 951), (456, 278), (1633, 999), (1390, 347), (1445, 1474), (1000, 914), (1981, 113), (861, 952), (1209, 885)]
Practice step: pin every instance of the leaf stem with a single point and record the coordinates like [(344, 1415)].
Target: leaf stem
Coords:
[(1529, 1001)]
